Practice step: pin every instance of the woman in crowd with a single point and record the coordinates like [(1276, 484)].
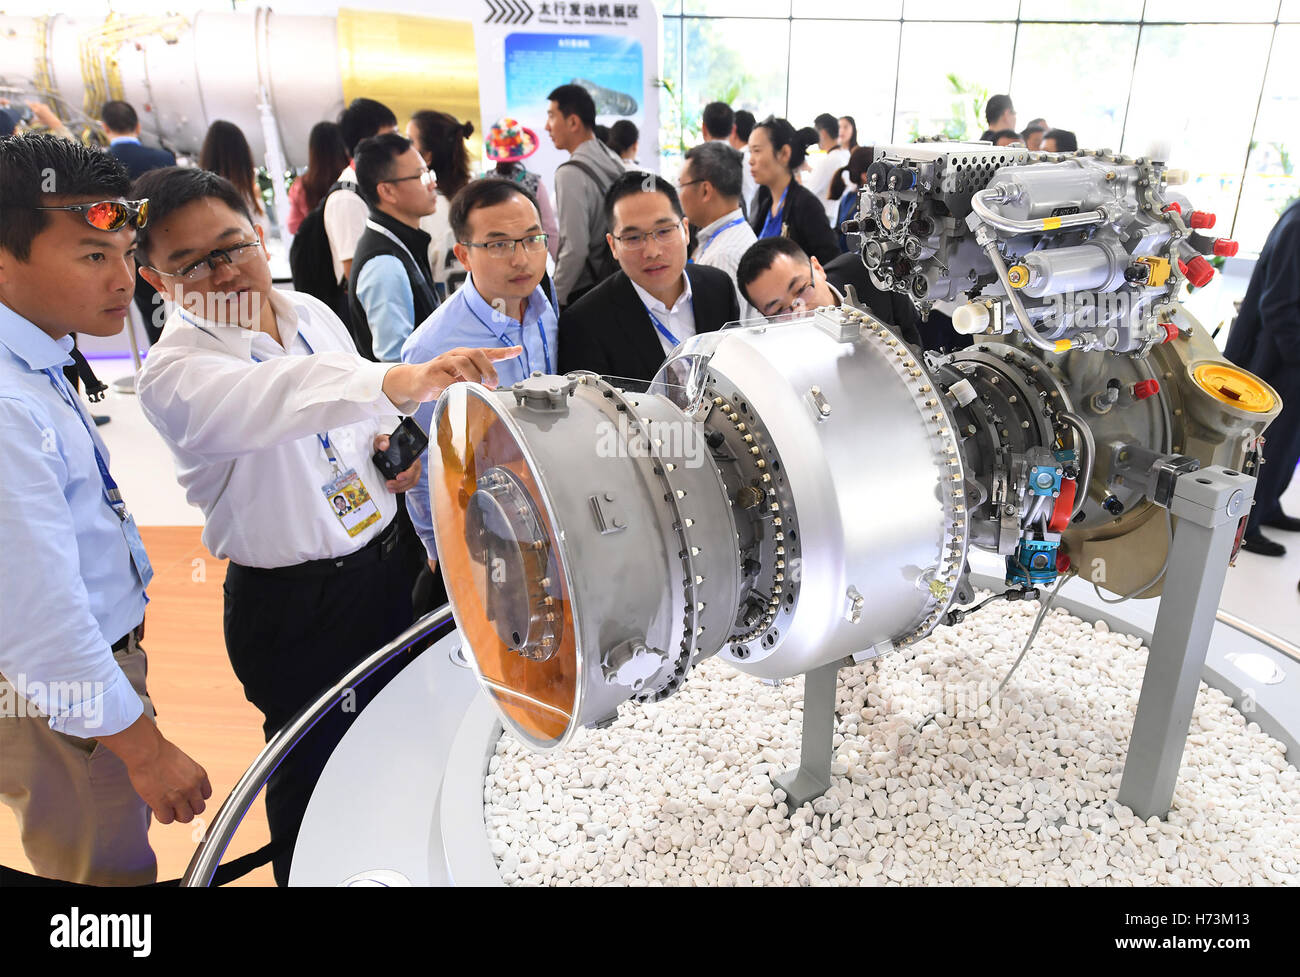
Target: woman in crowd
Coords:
[(440, 139), (623, 139), (507, 145), (327, 157), (783, 207), (226, 153), (848, 133), (844, 187)]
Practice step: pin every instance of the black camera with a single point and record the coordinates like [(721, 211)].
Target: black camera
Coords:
[(405, 445)]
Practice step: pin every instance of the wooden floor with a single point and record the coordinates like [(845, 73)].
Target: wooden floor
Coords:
[(201, 705)]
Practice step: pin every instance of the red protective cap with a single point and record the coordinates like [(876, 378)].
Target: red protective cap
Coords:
[(1200, 219), (1145, 388), (1062, 562), (1199, 271), (1174, 207), (1182, 266), (1171, 332), (1063, 507), (1225, 248)]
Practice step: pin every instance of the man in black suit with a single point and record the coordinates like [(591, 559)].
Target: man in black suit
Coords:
[(122, 126), (776, 277), (1265, 339), (629, 323)]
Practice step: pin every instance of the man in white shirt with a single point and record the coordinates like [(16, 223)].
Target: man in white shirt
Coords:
[(346, 212), (629, 323), (709, 187), (271, 414)]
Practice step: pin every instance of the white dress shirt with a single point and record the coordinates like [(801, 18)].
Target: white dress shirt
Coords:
[(679, 320), (345, 222), (244, 433), (722, 246)]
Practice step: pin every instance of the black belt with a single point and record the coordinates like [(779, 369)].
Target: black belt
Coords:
[(378, 549)]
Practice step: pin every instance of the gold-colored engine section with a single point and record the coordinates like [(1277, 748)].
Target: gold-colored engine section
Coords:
[(1217, 412), (410, 63)]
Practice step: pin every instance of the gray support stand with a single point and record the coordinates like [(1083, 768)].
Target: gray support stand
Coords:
[(1209, 504), (813, 777)]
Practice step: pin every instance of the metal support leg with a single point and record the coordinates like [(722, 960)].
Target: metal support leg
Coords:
[(1209, 504), (813, 777)]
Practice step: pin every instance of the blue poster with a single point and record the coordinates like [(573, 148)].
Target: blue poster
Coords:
[(608, 67)]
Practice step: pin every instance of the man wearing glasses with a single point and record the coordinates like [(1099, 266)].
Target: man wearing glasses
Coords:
[(627, 325), (777, 277), (507, 301), (82, 762), (270, 413), (390, 286)]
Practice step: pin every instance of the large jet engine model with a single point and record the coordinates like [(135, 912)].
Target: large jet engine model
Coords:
[(791, 494)]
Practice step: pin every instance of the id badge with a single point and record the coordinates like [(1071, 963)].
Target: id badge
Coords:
[(350, 502)]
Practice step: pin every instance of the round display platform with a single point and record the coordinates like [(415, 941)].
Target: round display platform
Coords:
[(426, 784), (1020, 789)]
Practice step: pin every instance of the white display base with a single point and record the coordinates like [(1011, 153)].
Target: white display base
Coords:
[(404, 791)]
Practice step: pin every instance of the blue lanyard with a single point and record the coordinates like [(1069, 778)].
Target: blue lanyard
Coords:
[(662, 329), (324, 439), (112, 495), (772, 226), (505, 340), (704, 245)]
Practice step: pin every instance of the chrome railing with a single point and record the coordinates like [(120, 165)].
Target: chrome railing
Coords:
[(212, 848)]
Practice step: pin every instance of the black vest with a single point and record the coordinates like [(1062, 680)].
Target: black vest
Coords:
[(414, 258)]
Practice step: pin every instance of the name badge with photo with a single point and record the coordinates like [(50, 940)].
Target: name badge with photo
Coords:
[(350, 502)]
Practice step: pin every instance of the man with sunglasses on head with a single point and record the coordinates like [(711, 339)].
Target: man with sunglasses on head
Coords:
[(81, 761), (627, 325), (507, 301), (390, 286), (777, 277), (270, 413)]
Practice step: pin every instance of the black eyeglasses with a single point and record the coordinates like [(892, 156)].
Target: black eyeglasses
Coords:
[(801, 294), (635, 242), (533, 244), (424, 176), (236, 254), (690, 183), (109, 215)]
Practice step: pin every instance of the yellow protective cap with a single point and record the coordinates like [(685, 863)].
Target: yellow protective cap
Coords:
[(1234, 387), (1063, 345)]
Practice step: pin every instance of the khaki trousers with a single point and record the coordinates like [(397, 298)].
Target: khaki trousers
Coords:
[(80, 818)]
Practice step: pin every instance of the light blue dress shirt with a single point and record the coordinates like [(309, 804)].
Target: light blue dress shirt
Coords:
[(384, 291), (68, 589), (466, 319)]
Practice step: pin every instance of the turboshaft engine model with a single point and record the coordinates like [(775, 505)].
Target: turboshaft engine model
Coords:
[(790, 494)]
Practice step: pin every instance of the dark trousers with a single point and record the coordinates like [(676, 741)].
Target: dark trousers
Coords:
[(290, 635), (1281, 454)]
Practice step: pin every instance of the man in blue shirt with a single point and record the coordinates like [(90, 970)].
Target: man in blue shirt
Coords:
[(81, 761), (390, 285), (507, 300)]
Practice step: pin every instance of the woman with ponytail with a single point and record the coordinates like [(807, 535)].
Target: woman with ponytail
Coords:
[(440, 139), (784, 207)]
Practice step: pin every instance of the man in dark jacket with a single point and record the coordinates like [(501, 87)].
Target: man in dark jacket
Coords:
[(1265, 340), (776, 277), (390, 286), (122, 126), (627, 325)]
